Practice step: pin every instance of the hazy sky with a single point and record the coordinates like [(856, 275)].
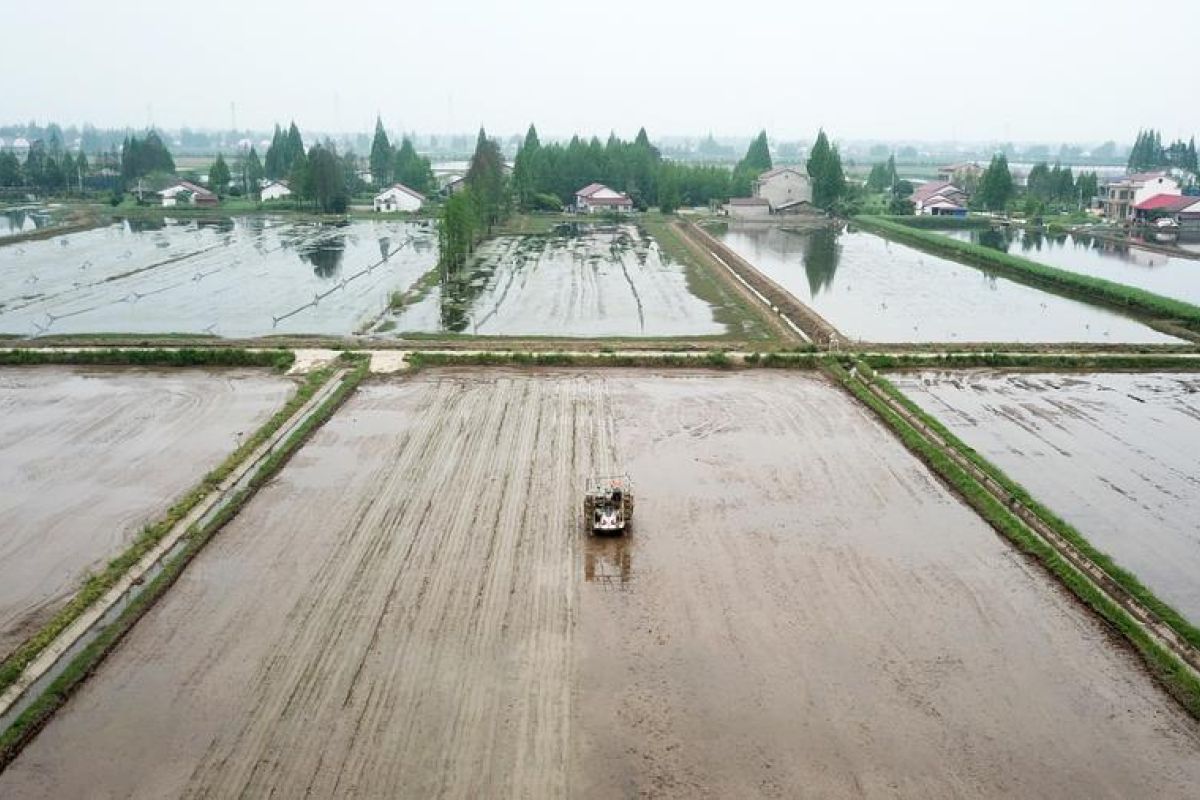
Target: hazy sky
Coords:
[(1015, 70)]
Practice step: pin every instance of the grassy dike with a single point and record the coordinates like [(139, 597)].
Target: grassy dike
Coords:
[(1096, 290), (88, 660), (181, 357), (97, 585), (1164, 665)]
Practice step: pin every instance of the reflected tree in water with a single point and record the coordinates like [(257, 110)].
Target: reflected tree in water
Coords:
[(821, 254), (325, 254)]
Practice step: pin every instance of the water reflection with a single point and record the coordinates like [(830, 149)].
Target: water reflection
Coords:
[(608, 562), (325, 254)]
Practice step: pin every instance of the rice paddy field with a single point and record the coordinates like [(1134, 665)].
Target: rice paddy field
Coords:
[(93, 454), (1115, 454), (582, 280), (412, 608), (1178, 278), (876, 290), (231, 277)]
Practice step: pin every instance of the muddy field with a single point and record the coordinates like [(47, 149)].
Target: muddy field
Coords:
[(240, 276), (1133, 266), (881, 291), (1117, 455), (411, 610), (90, 456), (581, 280)]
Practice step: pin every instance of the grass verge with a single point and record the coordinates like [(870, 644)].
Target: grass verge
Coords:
[(929, 222), (84, 664), (1168, 669), (181, 357), (97, 585), (1087, 287)]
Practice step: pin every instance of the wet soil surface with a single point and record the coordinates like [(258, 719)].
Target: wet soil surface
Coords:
[(1117, 455), (580, 281), (92, 455), (411, 609)]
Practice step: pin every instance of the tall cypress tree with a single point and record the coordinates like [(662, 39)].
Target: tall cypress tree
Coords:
[(381, 156)]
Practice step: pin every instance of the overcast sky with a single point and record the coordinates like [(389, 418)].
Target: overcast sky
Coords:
[(1016, 70)]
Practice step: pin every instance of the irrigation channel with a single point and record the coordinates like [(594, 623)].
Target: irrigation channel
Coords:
[(55, 658)]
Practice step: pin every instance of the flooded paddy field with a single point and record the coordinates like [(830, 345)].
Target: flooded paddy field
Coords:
[(411, 609), (1117, 455), (24, 219), (92, 455), (581, 280), (240, 276), (876, 290), (1153, 271)]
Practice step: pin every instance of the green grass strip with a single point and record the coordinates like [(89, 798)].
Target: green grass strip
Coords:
[(1113, 294), (1165, 666), (938, 223), (97, 585), (38, 714), (180, 357)]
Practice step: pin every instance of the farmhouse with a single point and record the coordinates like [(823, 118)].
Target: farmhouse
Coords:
[(1183, 210), (748, 208), (275, 190), (598, 197), (187, 193), (399, 197), (786, 189), (939, 199), (1122, 196)]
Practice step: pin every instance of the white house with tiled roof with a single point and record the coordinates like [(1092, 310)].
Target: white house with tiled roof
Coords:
[(596, 197), (399, 197)]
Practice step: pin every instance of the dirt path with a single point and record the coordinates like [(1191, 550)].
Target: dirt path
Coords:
[(411, 610), (91, 455)]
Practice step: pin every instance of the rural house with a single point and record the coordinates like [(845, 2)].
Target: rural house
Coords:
[(786, 189), (598, 197), (275, 190), (967, 173), (1182, 210), (187, 193), (939, 199), (1123, 195), (399, 197)]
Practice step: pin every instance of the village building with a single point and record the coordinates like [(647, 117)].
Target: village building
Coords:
[(748, 208), (1179, 211), (939, 199), (1122, 196), (454, 185), (786, 189), (187, 193), (399, 197), (274, 190), (596, 197)]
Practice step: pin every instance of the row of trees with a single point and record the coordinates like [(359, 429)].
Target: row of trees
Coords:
[(399, 164), (43, 171), (1148, 153), (470, 213)]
